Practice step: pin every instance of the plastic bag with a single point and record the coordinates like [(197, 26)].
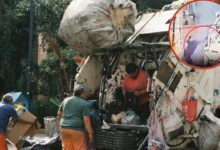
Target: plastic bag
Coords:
[(156, 140), (130, 118), (172, 126), (51, 126), (92, 25), (41, 143), (189, 106), (172, 123), (209, 136)]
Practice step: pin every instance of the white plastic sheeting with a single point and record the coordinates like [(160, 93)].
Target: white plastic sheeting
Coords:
[(90, 74)]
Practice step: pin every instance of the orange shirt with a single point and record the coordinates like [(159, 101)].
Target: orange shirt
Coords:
[(138, 84)]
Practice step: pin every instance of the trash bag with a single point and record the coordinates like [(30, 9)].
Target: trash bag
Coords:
[(41, 143), (189, 106), (172, 123), (190, 110), (51, 126), (156, 140), (92, 25), (209, 136), (130, 118)]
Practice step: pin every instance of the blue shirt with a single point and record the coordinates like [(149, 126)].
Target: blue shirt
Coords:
[(6, 112)]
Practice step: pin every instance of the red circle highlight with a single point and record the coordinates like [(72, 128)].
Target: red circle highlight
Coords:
[(193, 28)]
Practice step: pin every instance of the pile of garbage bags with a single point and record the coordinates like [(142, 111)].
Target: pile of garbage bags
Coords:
[(47, 143), (96, 24)]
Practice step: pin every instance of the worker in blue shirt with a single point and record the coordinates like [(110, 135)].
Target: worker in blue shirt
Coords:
[(6, 112)]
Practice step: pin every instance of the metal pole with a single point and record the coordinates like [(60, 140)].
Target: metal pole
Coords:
[(30, 44)]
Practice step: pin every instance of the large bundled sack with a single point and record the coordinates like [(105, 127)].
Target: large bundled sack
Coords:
[(91, 25)]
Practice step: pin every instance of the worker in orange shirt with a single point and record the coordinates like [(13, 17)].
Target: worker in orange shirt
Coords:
[(136, 90)]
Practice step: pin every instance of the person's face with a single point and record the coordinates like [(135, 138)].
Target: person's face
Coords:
[(134, 74), (10, 101)]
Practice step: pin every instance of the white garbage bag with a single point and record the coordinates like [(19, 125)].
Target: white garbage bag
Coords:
[(209, 136), (51, 126), (130, 118), (91, 25), (172, 124)]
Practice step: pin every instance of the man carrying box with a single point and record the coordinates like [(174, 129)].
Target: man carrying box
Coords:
[(6, 112)]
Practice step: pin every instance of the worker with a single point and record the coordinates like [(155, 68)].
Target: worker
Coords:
[(74, 113), (135, 86), (6, 112)]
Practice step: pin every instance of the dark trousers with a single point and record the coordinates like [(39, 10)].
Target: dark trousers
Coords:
[(143, 111)]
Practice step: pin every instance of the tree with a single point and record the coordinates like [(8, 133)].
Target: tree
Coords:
[(48, 15), (13, 31), (153, 4), (50, 73), (14, 36)]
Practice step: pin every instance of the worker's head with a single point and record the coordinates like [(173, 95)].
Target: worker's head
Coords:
[(80, 90), (7, 98), (132, 70)]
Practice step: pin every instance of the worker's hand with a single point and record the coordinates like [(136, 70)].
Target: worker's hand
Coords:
[(136, 93), (91, 138)]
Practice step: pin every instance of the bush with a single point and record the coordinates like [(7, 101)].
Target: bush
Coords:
[(42, 109)]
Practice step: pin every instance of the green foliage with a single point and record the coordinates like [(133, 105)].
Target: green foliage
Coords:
[(50, 71), (43, 109), (47, 14), (14, 29), (153, 4), (50, 64)]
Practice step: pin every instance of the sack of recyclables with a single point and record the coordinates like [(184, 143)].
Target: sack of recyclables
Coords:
[(93, 25)]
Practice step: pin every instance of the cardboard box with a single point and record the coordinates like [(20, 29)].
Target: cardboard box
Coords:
[(10, 145), (20, 129)]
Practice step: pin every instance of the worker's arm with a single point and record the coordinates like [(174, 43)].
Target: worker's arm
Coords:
[(88, 127), (59, 113), (15, 118)]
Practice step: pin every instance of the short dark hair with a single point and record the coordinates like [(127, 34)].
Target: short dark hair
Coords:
[(78, 93), (131, 68)]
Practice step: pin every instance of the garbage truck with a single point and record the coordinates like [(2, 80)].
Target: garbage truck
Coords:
[(183, 100)]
